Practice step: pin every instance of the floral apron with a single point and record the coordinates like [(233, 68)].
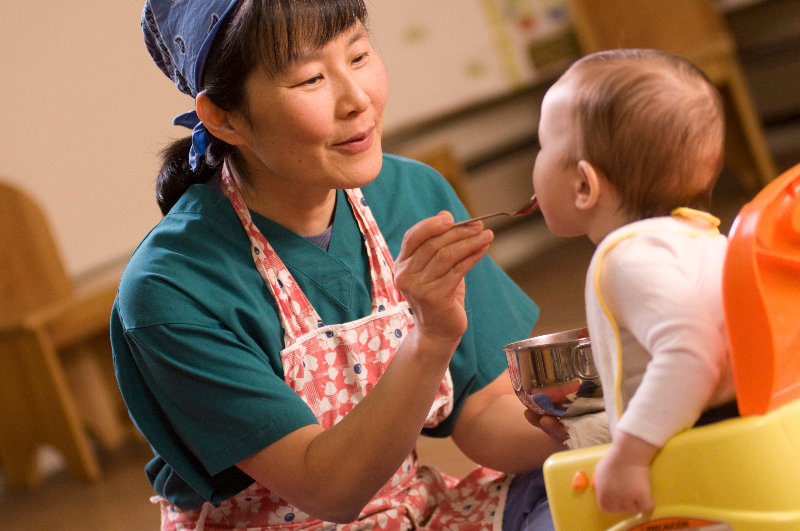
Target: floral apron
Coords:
[(332, 367)]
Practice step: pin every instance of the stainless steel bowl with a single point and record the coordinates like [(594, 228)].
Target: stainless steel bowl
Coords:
[(551, 372)]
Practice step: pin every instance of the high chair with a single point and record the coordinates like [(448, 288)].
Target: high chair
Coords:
[(741, 474)]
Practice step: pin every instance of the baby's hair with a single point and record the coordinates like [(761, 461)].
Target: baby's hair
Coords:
[(653, 124)]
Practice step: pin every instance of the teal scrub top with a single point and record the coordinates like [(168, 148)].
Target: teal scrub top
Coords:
[(197, 338)]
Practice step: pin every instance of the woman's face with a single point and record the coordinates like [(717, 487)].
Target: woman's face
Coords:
[(318, 125)]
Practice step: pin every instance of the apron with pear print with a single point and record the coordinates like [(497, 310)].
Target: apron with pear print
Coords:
[(332, 367)]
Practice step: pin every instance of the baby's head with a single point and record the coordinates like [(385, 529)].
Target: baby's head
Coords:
[(649, 122)]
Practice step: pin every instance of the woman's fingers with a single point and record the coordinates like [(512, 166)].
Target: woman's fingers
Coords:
[(422, 231), (550, 425), (430, 270), (426, 238), (432, 248), (430, 276)]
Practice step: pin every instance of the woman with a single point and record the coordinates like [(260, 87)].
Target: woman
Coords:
[(282, 344)]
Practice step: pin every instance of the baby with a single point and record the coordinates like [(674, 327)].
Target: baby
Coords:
[(631, 146)]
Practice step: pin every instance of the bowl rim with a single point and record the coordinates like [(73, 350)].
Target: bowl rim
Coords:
[(554, 339)]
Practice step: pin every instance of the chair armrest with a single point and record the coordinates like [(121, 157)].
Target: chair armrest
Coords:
[(575, 509), (741, 471)]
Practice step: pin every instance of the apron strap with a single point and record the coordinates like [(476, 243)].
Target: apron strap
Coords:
[(296, 312), (380, 259)]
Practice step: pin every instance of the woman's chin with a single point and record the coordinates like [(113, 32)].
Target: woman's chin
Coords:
[(364, 171)]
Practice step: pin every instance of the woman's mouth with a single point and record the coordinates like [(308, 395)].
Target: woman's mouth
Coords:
[(358, 142)]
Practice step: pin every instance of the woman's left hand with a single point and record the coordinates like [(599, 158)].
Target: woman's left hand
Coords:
[(491, 432), (551, 426)]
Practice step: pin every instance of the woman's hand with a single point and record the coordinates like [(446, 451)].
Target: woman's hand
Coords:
[(491, 432), (551, 426), (622, 477), (430, 269)]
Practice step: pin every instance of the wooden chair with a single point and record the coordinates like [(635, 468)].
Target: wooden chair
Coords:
[(695, 30), (55, 356)]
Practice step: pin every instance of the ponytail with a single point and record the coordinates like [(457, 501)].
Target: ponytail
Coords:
[(176, 174)]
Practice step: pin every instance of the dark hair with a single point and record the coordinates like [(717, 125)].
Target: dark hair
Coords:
[(268, 34), (653, 124)]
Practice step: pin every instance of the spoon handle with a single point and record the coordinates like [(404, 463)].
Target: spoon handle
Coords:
[(485, 216), (533, 205)]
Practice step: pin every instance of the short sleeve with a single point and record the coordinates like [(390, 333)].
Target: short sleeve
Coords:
[(209, 383), (196, 347), (205, 401)]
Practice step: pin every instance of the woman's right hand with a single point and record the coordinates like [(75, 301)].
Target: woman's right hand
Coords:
[(430, 269)]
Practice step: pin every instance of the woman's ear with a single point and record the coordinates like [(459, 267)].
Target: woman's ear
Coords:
[(218, 122), (587, 186)]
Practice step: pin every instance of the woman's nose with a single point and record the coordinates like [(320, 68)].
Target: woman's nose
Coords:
[(353, 98)]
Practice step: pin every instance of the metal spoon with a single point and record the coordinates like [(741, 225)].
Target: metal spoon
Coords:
[(532, 205)]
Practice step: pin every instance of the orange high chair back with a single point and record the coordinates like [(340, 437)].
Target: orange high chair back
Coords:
[(741, 474), (762, 297)]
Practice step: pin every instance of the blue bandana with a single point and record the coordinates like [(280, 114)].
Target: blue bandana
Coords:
[(178, 35)]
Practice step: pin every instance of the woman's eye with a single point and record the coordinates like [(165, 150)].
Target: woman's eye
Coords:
[(311, 81), (360, 58)]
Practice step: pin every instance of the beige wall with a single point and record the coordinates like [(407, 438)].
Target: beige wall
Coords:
[(83, 112)]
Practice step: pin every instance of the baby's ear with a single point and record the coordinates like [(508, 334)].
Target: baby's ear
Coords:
[(587, 185)]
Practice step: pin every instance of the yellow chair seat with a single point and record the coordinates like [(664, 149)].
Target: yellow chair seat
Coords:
[(742, 474)]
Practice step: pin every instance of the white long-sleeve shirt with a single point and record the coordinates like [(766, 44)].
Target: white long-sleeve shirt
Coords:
[(656, 322)]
